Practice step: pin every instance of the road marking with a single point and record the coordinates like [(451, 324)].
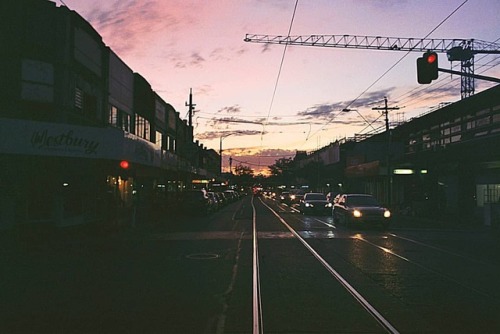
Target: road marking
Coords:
[(435, 272)]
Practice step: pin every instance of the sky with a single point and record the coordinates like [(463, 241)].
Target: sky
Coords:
[(264, 102)]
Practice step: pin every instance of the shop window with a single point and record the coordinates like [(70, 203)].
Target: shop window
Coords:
[(78, 98), (119, 118), (487, 193), (113, 116), (496, 118), (483, 121), (159, 139), (142, 127)]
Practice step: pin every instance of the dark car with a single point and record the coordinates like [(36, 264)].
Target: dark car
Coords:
[(285, 197), (214, 203), (315, 203), (360, 208), (195, 202), (296, 196)]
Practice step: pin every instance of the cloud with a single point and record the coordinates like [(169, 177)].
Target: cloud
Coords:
[(196, 59), (130, 25), (230, 110), (328, 111), (321, 111), (208, 135)]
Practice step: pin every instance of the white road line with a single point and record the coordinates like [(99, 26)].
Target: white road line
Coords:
[(450, 278), (441, 250)]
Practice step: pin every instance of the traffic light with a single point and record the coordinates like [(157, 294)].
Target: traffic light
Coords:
[(427, 67)]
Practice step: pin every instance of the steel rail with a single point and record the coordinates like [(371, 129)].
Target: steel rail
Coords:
[(366, 305), (258, 327)]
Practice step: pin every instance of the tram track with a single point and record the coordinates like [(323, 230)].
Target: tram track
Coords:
[(257, 305), (374, 313)]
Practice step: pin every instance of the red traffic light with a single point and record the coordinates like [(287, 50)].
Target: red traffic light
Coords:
[(427, 67), (124, 164), (431, 58)]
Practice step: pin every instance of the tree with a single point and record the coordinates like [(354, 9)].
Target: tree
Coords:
[(244, 175), (281, 170)]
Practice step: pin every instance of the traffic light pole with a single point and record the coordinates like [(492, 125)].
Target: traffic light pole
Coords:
[(475, 76)]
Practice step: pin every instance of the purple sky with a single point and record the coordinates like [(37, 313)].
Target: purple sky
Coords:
[(181, 44)]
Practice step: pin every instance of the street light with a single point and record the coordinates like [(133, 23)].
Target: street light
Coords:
[(220, 149)]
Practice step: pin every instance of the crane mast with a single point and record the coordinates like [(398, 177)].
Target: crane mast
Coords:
[(462, 50)]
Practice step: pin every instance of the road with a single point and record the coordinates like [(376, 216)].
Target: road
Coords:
[(254, 266)]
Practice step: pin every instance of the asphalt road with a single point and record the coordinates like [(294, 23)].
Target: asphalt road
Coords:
[(195, 274)]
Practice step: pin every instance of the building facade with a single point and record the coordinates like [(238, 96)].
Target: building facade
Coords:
[(443, 165), (83, 138)]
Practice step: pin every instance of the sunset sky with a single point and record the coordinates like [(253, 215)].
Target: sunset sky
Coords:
[(264, 113)]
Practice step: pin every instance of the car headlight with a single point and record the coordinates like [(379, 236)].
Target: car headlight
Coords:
[(292, 197), (329, 205), (309, 205), (387, 214), (356, 213)]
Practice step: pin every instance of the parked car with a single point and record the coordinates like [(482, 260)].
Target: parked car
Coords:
[(315, 203), (332, 197), (214, 203), (194, 202), (231, 195), (360, 208)]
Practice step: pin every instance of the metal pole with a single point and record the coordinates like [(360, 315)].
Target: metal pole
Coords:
[(220, 155), (385, 110)]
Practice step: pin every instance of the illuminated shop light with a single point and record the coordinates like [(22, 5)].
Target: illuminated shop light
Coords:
[(403, 171)]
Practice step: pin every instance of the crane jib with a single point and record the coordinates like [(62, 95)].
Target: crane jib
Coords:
[(379, 43)]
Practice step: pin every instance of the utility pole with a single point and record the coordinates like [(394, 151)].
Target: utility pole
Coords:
[(385, 109), (386, 113), (191, 107)]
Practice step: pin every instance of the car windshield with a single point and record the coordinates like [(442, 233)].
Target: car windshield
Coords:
[(315, 197), (362, 201)]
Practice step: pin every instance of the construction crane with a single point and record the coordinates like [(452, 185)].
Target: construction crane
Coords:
[(462, 50)]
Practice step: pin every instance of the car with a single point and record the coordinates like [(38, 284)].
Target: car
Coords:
[(296, 196), (360, 208), (285, 197), (214, 203), (194, 202), (315, 203), (231, 195)]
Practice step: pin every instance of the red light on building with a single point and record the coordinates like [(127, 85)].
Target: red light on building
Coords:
[(124, 164)]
